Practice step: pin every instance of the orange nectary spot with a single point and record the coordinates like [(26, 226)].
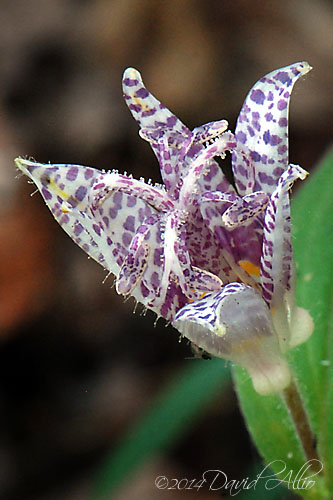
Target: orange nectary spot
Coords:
[(250, 268)]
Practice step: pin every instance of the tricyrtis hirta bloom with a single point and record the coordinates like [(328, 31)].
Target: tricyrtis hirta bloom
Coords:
[(152, 237), (212, 257)]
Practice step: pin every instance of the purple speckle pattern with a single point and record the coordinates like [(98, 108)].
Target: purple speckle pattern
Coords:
[(262, 127), (173, 143), (80, 193), (145, 234), (72, 173), (277, 254), (257, 96), (205, 311), (243, 210)]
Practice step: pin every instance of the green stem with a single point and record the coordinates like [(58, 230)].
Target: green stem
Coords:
[(301, 422)]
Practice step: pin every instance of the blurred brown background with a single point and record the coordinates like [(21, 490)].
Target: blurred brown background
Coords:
[(76, 366)]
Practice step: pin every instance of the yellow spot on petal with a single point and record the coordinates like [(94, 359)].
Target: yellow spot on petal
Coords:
[(59, 191), (139, 102), (250, 268)]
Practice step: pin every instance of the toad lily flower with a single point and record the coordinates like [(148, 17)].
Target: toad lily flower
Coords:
[(255, 325), (214, 259), (151, 237)]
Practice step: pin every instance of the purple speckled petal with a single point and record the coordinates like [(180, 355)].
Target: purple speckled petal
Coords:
[(111, 217), (177, 264), (278, 277), (204, 251), (173, 143), (145, 108), (171, 148), (277, 262), (262, 129), (219, 196), (236, 324), (154, 119), (159, 261), (134, 265), (243, 210), (204, 281), (212, 177), (110, 182), (198, 168), (205, 312), (145, 260), (240, 246), (209, 131), (103, 232)]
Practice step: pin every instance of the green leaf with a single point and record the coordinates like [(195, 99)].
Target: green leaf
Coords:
[(313, 362), (269, 424), (267, 417), (170, 416)]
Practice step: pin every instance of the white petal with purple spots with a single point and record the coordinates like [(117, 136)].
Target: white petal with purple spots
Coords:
[(277, 254), (262, 129)]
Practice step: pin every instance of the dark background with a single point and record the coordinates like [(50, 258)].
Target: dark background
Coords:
[(76, 366)]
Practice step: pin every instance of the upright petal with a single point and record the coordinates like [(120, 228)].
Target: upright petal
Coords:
[(145, 108), (173, 143), (156, 122), (235, 324), (277, 254), (277, 265), (262, 130)]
